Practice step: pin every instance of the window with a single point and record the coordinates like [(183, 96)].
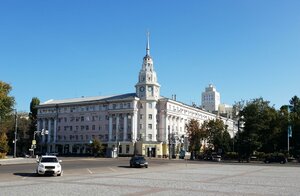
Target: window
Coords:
[(82, 118), (149, 126), (127, 149), (150, 105), (141, 126), (141, 116), (150, 137), (87, 127), (150, 116), (93, 127), (114, 106)]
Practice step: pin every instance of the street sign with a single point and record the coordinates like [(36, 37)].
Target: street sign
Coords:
[(290, 131)]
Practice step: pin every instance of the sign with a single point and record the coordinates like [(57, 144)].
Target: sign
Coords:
[(33, 142), (290, 132)]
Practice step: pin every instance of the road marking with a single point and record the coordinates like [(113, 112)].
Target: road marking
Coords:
[(89, 171), (112, 169)]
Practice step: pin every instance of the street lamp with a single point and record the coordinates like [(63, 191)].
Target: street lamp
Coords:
[(16, 132), (42, 132)]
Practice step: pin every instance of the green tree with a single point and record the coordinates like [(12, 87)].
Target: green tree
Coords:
[(3, 145), (97, 147), (6, 101), (259, 120), (33, 116), (218, 137), (294, 121)]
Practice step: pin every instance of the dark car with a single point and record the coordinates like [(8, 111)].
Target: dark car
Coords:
[(275, 159), (138, 161)]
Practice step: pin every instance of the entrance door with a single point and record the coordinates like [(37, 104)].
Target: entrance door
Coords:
[(151, 152)]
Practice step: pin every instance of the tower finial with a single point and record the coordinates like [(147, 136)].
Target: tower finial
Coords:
[(148, 44)]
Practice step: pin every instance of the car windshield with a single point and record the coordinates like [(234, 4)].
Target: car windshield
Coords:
[(139, 158), (49, 160)]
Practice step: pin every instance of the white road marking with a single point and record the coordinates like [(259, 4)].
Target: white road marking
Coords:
[(112, 169), (89, 171)]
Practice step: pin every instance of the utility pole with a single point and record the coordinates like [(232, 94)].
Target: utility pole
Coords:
[(16, 132)]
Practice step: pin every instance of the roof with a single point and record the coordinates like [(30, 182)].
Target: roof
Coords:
[(89, 99)]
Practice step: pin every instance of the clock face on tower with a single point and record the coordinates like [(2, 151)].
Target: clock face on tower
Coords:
[(142, 89), (150, 88)]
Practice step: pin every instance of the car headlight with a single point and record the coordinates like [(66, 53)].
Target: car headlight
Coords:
[(58, 166), (41, 165)]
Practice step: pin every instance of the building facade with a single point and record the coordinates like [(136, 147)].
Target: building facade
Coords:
[(210, 99), (143, 122)]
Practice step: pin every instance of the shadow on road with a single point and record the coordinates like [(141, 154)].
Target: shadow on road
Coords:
[(26, 174), (122, 166)]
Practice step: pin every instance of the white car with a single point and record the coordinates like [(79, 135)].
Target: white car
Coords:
[(49, 165)]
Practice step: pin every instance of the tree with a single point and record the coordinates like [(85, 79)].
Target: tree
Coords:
[(33, 116), (218, 137), (259, 125), (97, 147), (6, 101), (195, 135), (3, 145), (295, 124)]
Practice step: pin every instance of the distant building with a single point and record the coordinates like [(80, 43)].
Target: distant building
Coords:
[(225, 110), (210, 99), (143, 122)]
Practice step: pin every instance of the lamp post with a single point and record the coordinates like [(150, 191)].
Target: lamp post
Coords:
[(16, 132)]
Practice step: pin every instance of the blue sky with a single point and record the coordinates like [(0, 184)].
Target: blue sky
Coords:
[(66, 49)]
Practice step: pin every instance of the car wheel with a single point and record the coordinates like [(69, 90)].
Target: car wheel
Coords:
[(146, 166), (130, 165)]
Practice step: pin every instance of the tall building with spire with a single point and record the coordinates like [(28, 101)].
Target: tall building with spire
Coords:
[(143, 122)]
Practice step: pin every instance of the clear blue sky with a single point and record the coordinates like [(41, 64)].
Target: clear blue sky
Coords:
[(57, 49)]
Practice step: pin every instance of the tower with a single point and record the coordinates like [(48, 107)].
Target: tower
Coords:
[(210, 99), (148, 90)]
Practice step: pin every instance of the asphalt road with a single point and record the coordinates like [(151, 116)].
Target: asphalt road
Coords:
[(74, 166), (90, 176)]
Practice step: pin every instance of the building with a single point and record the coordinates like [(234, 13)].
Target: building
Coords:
[(143, 122), (211, 99), (225, 110)]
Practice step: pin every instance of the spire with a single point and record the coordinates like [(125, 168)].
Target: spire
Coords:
[(148, 44)]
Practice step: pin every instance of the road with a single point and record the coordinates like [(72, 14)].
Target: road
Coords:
[(90, 176), (74, 166)]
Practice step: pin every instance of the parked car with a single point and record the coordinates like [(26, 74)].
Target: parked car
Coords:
[(138, 161), (216, 158), (275, 159), (50, 165)]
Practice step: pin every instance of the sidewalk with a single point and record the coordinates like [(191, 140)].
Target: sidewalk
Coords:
[(19, 160)]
